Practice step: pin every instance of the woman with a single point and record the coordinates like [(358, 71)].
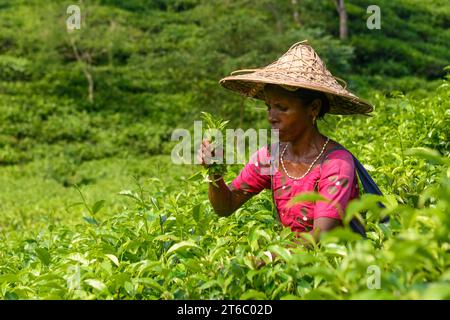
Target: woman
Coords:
[(297, 89)]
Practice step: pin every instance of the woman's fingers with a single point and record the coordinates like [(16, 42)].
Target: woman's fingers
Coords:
[(199, 157), (208, 147), (205, 152)]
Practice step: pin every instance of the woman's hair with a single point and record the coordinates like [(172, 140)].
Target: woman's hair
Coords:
[(307, 96)]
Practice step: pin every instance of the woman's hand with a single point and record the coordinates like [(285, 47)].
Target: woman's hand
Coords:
[(225, 200), (207, 153)]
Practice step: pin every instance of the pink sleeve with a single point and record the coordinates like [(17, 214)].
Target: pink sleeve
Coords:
[(252, 178), (335, 184)]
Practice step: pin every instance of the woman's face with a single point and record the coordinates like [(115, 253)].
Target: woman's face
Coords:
[(287, 113)]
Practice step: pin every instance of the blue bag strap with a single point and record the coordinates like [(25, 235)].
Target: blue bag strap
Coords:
[(366, 180), (368, 183)]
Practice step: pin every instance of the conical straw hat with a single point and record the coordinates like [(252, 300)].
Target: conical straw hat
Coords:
[(299, 67)]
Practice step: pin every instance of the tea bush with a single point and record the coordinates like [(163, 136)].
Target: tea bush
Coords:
[(165, 242)]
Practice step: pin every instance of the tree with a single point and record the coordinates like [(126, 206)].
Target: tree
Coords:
[(85, 60), (295, 12), (343, 30)]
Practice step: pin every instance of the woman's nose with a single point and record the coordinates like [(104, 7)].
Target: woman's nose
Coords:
[(272, 116)]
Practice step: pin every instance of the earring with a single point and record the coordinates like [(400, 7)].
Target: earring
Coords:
[(314, 121)]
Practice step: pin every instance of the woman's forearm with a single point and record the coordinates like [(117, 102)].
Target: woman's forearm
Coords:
[(221, 197)]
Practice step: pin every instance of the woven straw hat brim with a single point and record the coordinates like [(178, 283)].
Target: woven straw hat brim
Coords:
[(253, 87), (299, 67)]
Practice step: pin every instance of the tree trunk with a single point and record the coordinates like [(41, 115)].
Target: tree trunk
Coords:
[(84, 58), (272, 8), (343, 30), (85, 66), (295, 12)]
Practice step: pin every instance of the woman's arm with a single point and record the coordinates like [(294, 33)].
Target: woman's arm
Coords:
[(225, 200), (324, 224)]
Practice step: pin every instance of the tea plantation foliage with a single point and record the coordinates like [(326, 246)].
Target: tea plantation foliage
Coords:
[(74, 224), (169, 244)]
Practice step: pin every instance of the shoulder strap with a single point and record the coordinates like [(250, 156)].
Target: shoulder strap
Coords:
[(338, 147), (368, 184), (366, 180)]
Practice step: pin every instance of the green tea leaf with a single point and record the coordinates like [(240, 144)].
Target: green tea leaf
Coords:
[(183, 245), (281, 252), (113, 258), (307, 196), (97, 206), (96, 284), (90, 221), (43, 255), (431, 155), (253, 295)]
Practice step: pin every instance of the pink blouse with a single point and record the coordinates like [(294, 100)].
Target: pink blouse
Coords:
[(337, 182)]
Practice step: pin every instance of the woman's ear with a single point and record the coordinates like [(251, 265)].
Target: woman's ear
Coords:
[(315, 106)]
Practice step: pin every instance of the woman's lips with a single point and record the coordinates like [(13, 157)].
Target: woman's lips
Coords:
[(276, 128)]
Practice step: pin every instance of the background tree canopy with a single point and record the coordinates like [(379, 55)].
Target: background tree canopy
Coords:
[(153, 65)]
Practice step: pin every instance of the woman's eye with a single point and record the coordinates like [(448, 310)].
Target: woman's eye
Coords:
[(277, 107)]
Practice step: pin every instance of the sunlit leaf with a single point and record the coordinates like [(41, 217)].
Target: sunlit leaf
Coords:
[(113, 258), (183, 245)]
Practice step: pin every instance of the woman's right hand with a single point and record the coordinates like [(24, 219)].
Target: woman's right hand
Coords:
[(205, 153)]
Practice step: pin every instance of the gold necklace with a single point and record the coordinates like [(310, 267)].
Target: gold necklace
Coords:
[(298, 178)]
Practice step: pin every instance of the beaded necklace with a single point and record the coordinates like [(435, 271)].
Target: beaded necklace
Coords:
[(298, 178)]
